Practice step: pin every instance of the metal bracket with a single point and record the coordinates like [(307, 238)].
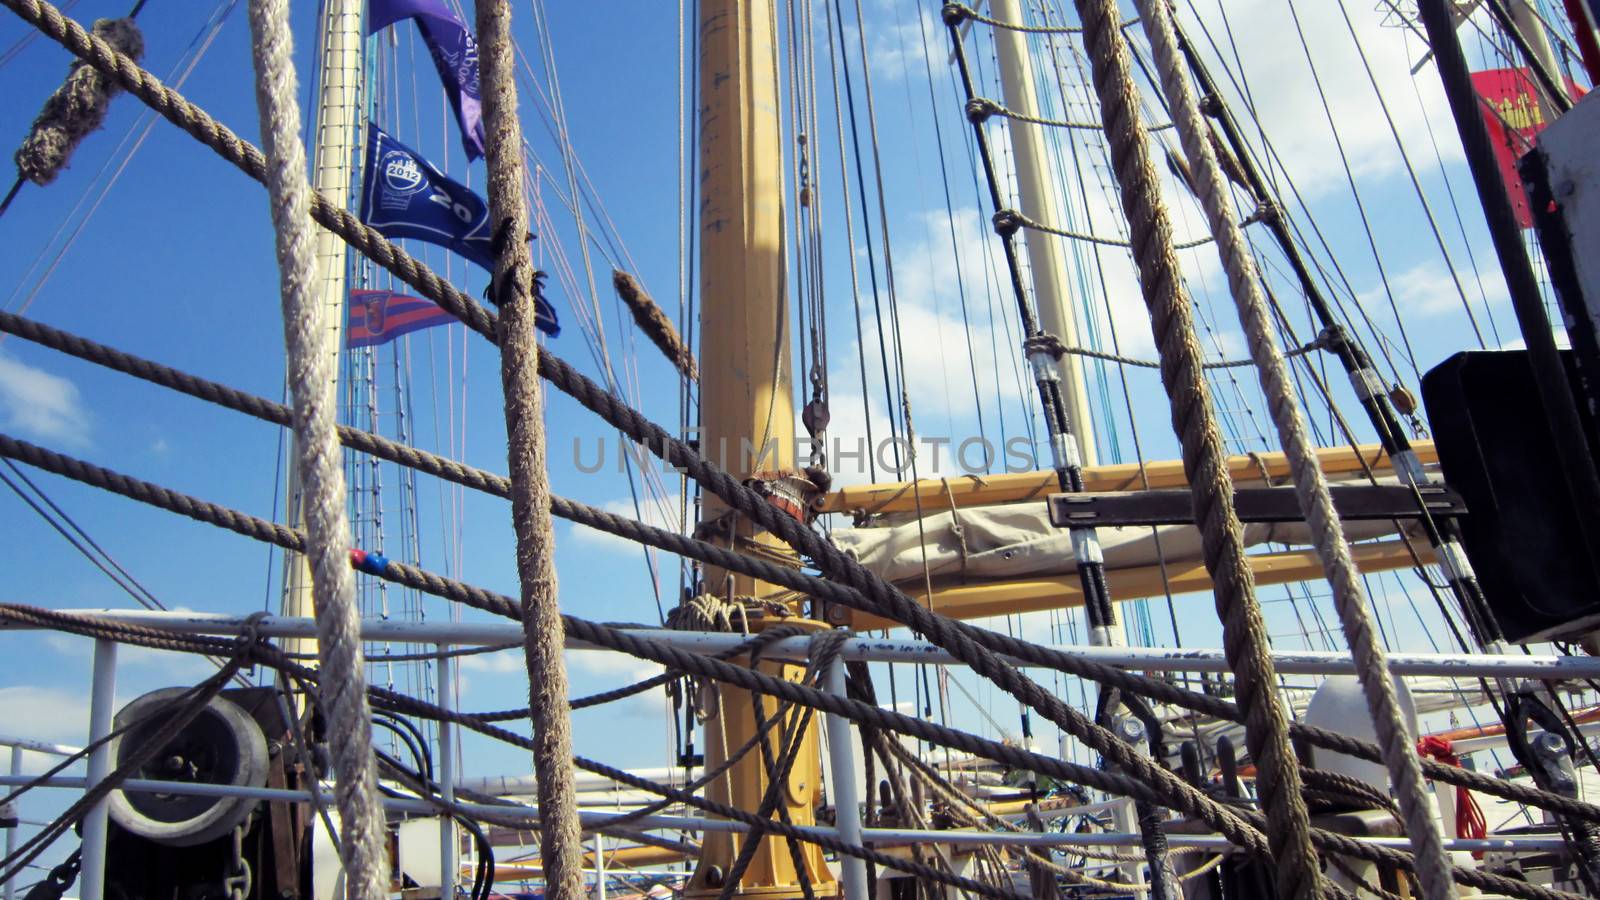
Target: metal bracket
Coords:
[(1274, 504)]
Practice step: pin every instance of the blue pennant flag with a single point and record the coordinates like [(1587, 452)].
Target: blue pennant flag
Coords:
[(403, 196), (455, 56)]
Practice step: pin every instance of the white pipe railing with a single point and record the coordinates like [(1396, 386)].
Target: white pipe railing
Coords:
[(870, 836), (1149, 659)]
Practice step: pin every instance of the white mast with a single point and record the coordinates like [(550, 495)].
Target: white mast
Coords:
[(337, 138), (1036, 195)]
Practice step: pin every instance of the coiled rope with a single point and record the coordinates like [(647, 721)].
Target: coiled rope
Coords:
[(310, 354)]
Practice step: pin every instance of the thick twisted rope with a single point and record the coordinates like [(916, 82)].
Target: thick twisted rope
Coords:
[(1029, 653), (310, 353), (1310, 483), (513, 288), (655, 324), (1160, 279), (189, 117), (646, 648)]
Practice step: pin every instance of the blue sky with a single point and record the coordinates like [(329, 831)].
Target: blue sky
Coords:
[(176, 264)]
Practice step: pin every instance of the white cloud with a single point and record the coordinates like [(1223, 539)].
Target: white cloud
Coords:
[(503, 662), (1285, 94), (45, 714), (896, 49), (178, 668), (659, 512), (42, 405), (614, 669), (1427, 289)]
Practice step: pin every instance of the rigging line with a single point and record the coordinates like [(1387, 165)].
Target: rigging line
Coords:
[(984, 106), (970, 13), (136, 593), (1122, 373), (950, 219), (1243, 83), (685, 390), (928, 227), (1274, 159), (177, 77), (1411, 171), (866, 225), (992, 266), (883, 227), (1455, 208), (22, 43)]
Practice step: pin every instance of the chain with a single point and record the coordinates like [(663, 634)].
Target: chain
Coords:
[(60, 879), (237, 881)]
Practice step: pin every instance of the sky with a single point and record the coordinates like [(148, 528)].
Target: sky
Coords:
[(175, 262)]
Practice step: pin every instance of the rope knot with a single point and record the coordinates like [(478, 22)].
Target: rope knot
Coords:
[(1332, 337), (955, 13), (1265, 211), (1045, 343), (979, 109), (77, 108), (1007, 222)]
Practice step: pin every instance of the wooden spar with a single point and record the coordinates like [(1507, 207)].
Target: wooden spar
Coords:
[(1006, 597), (980, 490), (747, 410)]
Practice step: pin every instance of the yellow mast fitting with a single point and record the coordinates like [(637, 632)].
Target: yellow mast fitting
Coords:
[(1011, 487), (747, 419)]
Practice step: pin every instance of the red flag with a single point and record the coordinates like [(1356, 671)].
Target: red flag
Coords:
[(1511, 111), (377, 317)]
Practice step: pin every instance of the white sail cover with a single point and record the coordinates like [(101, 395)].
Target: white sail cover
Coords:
[(1017, 541)]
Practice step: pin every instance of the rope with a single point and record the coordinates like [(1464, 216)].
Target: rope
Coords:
[(1244, 632), (91, 626), (1030, 653), (311, 352), (962, 11), (1311, 484), (1051, 344), (829, 591), (414, 273), (1007, 221), (980, 109), (867, 714), (75, 110), (513, 289), (655, 323)]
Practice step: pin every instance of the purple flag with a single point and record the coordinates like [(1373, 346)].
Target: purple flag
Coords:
[(455, 55)]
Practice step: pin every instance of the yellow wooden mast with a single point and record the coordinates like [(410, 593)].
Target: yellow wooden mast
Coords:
[(746, 406)]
